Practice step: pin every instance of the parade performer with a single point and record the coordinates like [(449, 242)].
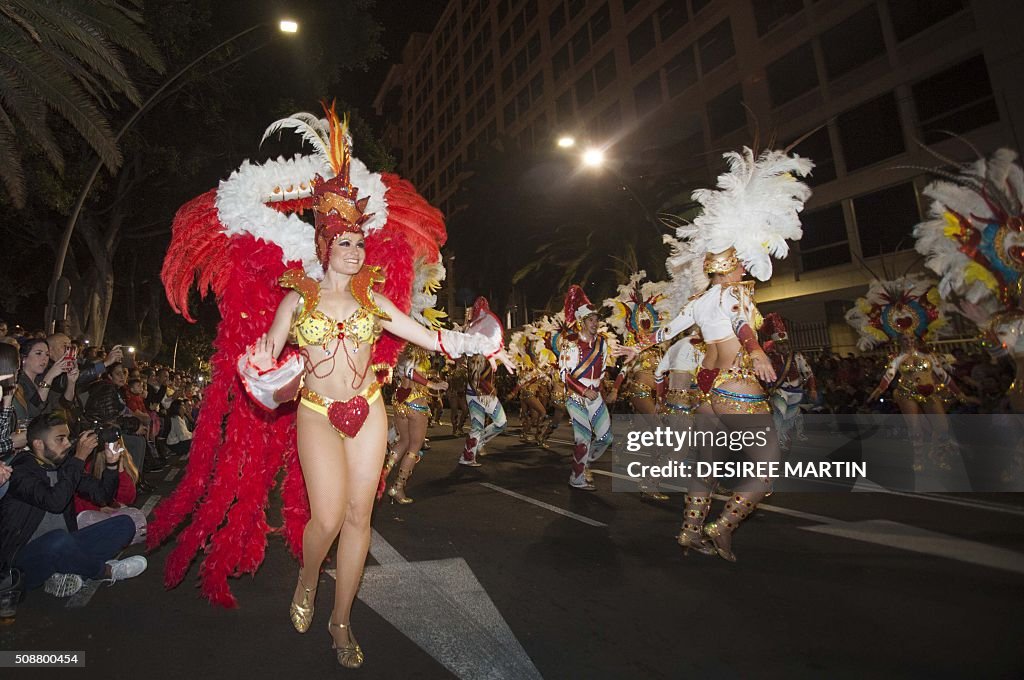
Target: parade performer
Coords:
[(909, 312), (743, 225), (533, 413), (794, 381), (549, 330), (481, 392), (244, 241), (974, 241), (583, 356), (676, 376), (637, 313)]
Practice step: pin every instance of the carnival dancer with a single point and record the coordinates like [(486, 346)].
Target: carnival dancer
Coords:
[(795, 380), (743, 224), (344, 339), (637, 314), (974, 240), (457, 378), (411, 415), (533, 414), (583, 357), (909, 312), (676, 376), (481, 392)]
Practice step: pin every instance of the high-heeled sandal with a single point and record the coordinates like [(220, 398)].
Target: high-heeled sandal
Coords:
[(736, 510), (351, 655), (399, 488), (690, 536), (302, 614)]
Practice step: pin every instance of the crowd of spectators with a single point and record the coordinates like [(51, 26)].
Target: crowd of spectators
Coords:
[(79, 428)]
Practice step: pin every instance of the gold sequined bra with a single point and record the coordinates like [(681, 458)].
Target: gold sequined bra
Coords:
[(313, 327)]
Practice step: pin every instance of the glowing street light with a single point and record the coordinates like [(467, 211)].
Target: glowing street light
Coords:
[(288, 26), (593, 158), (566, 142)]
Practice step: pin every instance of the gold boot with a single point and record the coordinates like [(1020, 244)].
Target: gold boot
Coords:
[(351, 655), (691, 536), (737, 509), (397, 491), (302, 614)]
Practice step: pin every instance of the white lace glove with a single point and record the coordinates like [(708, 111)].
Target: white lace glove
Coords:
[(455, 344)]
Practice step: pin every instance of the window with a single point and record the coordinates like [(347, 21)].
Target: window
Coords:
[(641, 40), (647, 94), (973, 106), (600, 23), (726, 113), (585, 89), (560, 62), (671, 17), (604, 71), (698, 5), (871, 132), (818, 148), (853, 42), (629, 5), (608, 122), (529, 11), (792, 75), (510, 113), (886, 218), (581, 44), (770, 13), (716, 47), (563, 108), (576, 7), (507, 78), (557, 20), (825, 242), (910, 17), (681, 72)]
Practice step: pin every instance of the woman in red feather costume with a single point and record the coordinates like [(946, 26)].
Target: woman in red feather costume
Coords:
[(351, 280)]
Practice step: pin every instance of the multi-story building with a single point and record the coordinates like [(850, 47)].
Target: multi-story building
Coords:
[(864, 84)]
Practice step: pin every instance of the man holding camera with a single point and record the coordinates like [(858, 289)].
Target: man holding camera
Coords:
[(38, 531)]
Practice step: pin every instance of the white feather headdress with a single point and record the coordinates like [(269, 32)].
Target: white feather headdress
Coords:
[(754, 210)]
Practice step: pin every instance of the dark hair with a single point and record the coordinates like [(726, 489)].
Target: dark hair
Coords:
[(29, 344), (42, 424), (9, 363), (134, 381), (175, 409)]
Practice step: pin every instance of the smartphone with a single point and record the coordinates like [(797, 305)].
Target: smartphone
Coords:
[(129, 357), (70, 357)]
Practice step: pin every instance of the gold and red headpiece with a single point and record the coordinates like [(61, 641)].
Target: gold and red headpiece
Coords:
[(337, 208)]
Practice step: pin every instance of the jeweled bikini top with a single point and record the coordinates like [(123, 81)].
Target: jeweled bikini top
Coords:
[(313, 327)]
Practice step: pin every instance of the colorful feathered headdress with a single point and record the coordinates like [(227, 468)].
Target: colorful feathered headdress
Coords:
[(909, 306), (639, 308), (750, 216), (974, 237)]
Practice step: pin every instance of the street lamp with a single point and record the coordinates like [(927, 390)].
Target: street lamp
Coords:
[(593, 158), (566, 142), (286, 26)]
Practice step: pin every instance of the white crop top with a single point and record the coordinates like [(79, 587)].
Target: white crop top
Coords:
[(718, 312), (683, 356)]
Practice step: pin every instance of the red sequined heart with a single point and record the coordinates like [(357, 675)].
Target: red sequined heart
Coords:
[(348, 417), (926, 390)]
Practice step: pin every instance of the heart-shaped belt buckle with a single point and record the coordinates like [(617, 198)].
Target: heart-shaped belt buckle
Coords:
[(347, 417)]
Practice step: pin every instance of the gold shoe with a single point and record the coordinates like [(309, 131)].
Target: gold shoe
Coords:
[(351, 655), (714, 531), (653, 495), (302, 614), (399, 488), (690, 534)]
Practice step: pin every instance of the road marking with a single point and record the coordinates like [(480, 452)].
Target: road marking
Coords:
[(475, 640), (546, 506), (172, 474), (82, 597), (147, 507), (896, 535)]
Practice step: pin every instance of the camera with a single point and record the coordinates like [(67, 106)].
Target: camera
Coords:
[(106, 434)]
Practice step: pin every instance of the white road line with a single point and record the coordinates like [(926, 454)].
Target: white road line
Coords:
[(546, 506), (172, 474), (384, 552), (147, 507), (896, 535)]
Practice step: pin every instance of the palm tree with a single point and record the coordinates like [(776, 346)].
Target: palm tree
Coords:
[(64, 57)]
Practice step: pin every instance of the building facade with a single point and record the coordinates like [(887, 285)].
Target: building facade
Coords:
[(862, 86)]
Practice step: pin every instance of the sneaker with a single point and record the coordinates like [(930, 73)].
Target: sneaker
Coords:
[(469, 463), (129, 567), (63, 585), (586, 486)]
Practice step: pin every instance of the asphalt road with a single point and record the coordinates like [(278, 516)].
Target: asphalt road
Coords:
[(504, 571)]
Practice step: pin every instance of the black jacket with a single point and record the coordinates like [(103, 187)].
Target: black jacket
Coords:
[(105, 402), (30, 497)]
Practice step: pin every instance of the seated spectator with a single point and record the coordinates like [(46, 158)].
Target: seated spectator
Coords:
[(89, 513), (179, 439), (107, 406), (38, 532), (35, 394), (11, 438), (133, 394)]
